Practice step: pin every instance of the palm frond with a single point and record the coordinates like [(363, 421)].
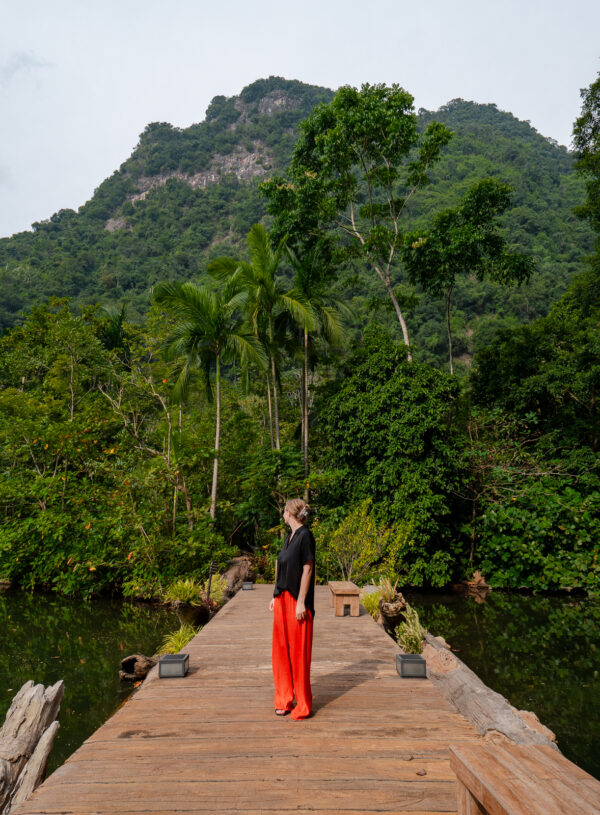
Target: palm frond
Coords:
[(331, 325), (300, 310), (182, 383), (247, 348), (260, 249), (222, 268)]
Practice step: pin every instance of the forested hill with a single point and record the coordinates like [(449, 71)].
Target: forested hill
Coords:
[(188, 194)]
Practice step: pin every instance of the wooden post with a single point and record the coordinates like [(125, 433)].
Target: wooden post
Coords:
[(26, 740)]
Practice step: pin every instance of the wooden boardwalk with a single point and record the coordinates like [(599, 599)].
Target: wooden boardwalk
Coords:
[(211, 742)]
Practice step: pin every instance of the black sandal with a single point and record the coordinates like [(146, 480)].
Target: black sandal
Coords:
[(281, 712)]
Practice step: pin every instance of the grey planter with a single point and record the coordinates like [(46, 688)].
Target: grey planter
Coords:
[(411, 665), (173, 665)]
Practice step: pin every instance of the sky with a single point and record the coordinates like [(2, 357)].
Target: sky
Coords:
[(80, 79)]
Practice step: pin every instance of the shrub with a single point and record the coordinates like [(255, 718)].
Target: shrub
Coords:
[(186, 590), (371, 602), (359, 543), (218, 589)]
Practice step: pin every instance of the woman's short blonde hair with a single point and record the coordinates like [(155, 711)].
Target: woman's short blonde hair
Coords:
[(298, 509)]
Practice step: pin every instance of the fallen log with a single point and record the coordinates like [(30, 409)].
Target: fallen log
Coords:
[(26, 740), (135, 667), (492, 715)]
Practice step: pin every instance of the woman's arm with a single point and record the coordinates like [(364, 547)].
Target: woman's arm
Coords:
[(272, 603), (304, 585)]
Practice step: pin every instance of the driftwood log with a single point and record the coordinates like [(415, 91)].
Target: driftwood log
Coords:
[(239, 569), (490, 713), (392, 613), (135, 667), (26, 740)]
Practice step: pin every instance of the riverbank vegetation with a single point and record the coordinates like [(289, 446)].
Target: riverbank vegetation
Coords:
[(326, 356)]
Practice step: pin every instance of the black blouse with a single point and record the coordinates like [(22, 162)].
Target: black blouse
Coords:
[(290, 563)]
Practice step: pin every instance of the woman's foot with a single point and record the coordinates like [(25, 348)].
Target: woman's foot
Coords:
[(281, 712)]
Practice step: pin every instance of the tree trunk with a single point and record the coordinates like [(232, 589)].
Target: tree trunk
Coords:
[(305, 418), (401, 319), (270, 410), (275, 404), (488, 711), (213, 500), (174, 519), (26, 740), (448, 296), (188, 504)]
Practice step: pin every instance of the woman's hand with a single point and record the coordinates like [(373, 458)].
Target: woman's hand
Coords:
[(300, 611), (272, 604)]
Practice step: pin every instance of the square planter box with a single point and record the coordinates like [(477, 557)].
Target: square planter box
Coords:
[(247, 585), (411, 665), (173, 665)]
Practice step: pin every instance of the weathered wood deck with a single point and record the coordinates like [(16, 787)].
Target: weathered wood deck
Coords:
[(211, 742)]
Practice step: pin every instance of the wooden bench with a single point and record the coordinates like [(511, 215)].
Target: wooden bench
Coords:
[(515, 779), (344, 593)]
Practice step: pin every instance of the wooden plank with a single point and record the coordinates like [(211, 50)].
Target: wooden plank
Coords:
[(363, 795), (524, 779), (343, 587), (253, 768)]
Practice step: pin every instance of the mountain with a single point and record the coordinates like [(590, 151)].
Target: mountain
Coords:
[(186, 195)]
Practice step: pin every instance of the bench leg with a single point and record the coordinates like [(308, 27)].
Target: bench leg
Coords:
[(340, 602), (467, 804), (354, 609)]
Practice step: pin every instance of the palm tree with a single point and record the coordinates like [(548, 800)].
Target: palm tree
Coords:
[(269, 306), (209, 331), (329, 311)]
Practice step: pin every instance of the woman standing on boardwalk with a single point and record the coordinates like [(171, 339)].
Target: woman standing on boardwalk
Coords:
[(293, 607)]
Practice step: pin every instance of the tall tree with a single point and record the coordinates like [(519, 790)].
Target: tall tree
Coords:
[(465, 240), (209, 331), (358, 162), (586, 140), (312, 280), (269, 303)]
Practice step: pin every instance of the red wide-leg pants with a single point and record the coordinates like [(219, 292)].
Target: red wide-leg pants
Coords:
[(292, 648)]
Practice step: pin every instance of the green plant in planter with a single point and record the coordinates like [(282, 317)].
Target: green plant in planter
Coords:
[(410, 633), (174, 642), (386, 590), (371, 602)]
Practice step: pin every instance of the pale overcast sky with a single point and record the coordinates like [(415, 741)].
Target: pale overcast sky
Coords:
[(80, 79)]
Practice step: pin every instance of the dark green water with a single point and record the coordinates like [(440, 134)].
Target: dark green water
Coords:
[(541, 653), (47, 638)]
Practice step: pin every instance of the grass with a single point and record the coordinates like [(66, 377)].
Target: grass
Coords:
[(371, 602), (174, 642)]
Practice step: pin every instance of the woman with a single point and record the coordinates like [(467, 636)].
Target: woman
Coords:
[(293, 607)]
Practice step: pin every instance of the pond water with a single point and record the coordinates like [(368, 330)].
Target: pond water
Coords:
[(46, 638), (541, 653)]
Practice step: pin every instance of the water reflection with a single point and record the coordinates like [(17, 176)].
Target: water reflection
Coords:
[(541, 653), (47, 638)]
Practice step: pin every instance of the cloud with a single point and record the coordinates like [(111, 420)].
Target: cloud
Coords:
[(18, 63), (6, 178)]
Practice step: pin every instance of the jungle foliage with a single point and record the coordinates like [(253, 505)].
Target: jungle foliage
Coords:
[(142, 440)]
